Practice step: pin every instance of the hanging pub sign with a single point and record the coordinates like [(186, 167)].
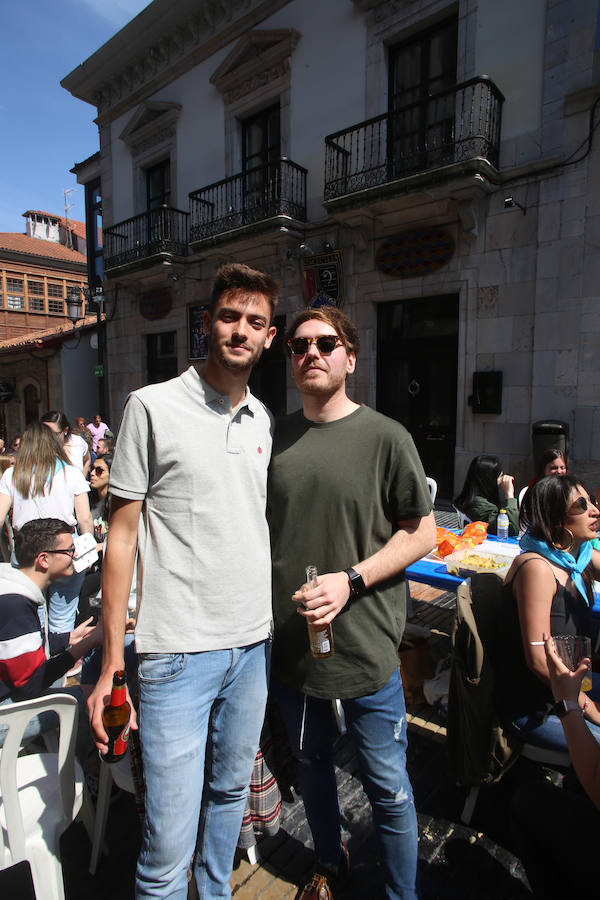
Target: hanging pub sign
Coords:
[(156, 304), (323, 279), (198, 337), (419, 251)]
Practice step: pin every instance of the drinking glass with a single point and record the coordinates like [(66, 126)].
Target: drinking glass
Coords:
[(572, 649)]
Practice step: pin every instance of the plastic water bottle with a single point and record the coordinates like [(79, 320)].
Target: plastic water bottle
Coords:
[(502, 526)]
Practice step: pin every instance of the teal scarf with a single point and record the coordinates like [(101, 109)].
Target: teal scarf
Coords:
[(562, 559)]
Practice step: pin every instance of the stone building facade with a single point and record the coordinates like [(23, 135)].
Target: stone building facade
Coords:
[(432, 165)]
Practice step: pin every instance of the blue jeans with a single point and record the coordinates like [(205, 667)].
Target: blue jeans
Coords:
[(550, 733), (63, 597), (196, 709), (377, 725)]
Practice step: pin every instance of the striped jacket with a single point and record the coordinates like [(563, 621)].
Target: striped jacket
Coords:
[(26, 667)]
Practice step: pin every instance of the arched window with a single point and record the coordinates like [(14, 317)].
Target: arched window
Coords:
[(31, 400)]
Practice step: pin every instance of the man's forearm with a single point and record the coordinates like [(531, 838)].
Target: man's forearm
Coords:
[(117, 572), (414, 539)]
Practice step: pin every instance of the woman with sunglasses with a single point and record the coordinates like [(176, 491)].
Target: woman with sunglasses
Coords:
[(99, 497), (548, 591), (42, 484)]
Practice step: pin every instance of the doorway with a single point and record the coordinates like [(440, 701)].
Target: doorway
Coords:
[(417, 369)]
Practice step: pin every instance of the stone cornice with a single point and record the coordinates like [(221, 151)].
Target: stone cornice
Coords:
[(163, 42), (270, 49), (151, 124)]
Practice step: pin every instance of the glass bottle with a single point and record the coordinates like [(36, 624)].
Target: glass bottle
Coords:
[(320, 637)]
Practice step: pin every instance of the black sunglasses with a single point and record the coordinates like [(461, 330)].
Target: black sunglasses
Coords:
[(326, 344), (584, 504), (70, 552), (99, 470)]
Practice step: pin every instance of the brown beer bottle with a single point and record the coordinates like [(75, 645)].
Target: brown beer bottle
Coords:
[(115, 718), (320, 637)]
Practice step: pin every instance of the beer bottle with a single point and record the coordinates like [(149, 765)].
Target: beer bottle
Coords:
[(320, 637), (115, 718)]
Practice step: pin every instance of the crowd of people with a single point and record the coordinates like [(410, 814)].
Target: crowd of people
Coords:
[(226, 515)]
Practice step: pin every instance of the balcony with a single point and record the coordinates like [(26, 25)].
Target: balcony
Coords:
[(153, 236), (270, 194), (457, 130)]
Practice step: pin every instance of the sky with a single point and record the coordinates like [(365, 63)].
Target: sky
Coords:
[(44, 130)]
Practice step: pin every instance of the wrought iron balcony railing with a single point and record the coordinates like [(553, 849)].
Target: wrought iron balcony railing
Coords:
[(264, 192), (451, 126), (160, 230)]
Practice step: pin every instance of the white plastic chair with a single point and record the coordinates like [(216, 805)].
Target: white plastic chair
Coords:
[(432, 485), (462, 518), (40, 793), (120, 773)]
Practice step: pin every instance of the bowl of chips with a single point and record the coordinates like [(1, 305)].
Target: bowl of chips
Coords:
[(471, 561)]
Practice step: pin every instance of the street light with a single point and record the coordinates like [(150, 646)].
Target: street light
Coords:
[(95, 298), (74, 304)]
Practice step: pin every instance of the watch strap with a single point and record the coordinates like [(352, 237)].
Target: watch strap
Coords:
[(357, 585), (562, 707)]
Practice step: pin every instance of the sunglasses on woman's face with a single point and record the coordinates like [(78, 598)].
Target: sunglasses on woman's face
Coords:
[(326, 344), (584, 503), (99, 470)]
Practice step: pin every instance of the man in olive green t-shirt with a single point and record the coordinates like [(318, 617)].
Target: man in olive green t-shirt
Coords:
[(347, 493)]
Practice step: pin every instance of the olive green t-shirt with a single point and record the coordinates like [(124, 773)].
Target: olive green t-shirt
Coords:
[(336, 493)]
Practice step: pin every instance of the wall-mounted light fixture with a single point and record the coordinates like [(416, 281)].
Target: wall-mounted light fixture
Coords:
[(510, 203)]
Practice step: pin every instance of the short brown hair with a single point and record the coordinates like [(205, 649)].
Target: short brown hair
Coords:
[(238, 277), (36, 536), (333, 316)]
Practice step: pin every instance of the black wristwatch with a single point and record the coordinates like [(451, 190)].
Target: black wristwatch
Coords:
[(562, 707), (357, 585)]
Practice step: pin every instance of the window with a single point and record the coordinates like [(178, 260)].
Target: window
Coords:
[(422, 124), (158, 185), (55, 290), (35, 287), (15, 302), (14, 285), (32, 404), (55, 306), (261, 151), (93, 231), (36, 304), (161, 355)]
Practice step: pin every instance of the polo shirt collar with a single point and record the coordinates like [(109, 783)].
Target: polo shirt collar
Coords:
[(212, 398)]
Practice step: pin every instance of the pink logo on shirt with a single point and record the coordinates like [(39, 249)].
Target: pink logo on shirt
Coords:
[(259, 449)]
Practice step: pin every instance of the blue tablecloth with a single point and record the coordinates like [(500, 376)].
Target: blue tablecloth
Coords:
[(433, 572)]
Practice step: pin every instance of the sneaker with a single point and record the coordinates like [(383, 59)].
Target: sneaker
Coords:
[(325, 880), (317, 889)]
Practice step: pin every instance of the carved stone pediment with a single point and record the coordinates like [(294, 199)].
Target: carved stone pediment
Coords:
[(256, 54), (151, 123)]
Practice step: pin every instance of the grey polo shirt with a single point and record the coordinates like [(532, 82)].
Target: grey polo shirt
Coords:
[(204, 571)]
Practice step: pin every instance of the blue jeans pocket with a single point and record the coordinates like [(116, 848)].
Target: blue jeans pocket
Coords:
[(157, 668)]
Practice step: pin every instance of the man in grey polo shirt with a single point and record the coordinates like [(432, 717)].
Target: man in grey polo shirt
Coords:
[(189, 482)]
